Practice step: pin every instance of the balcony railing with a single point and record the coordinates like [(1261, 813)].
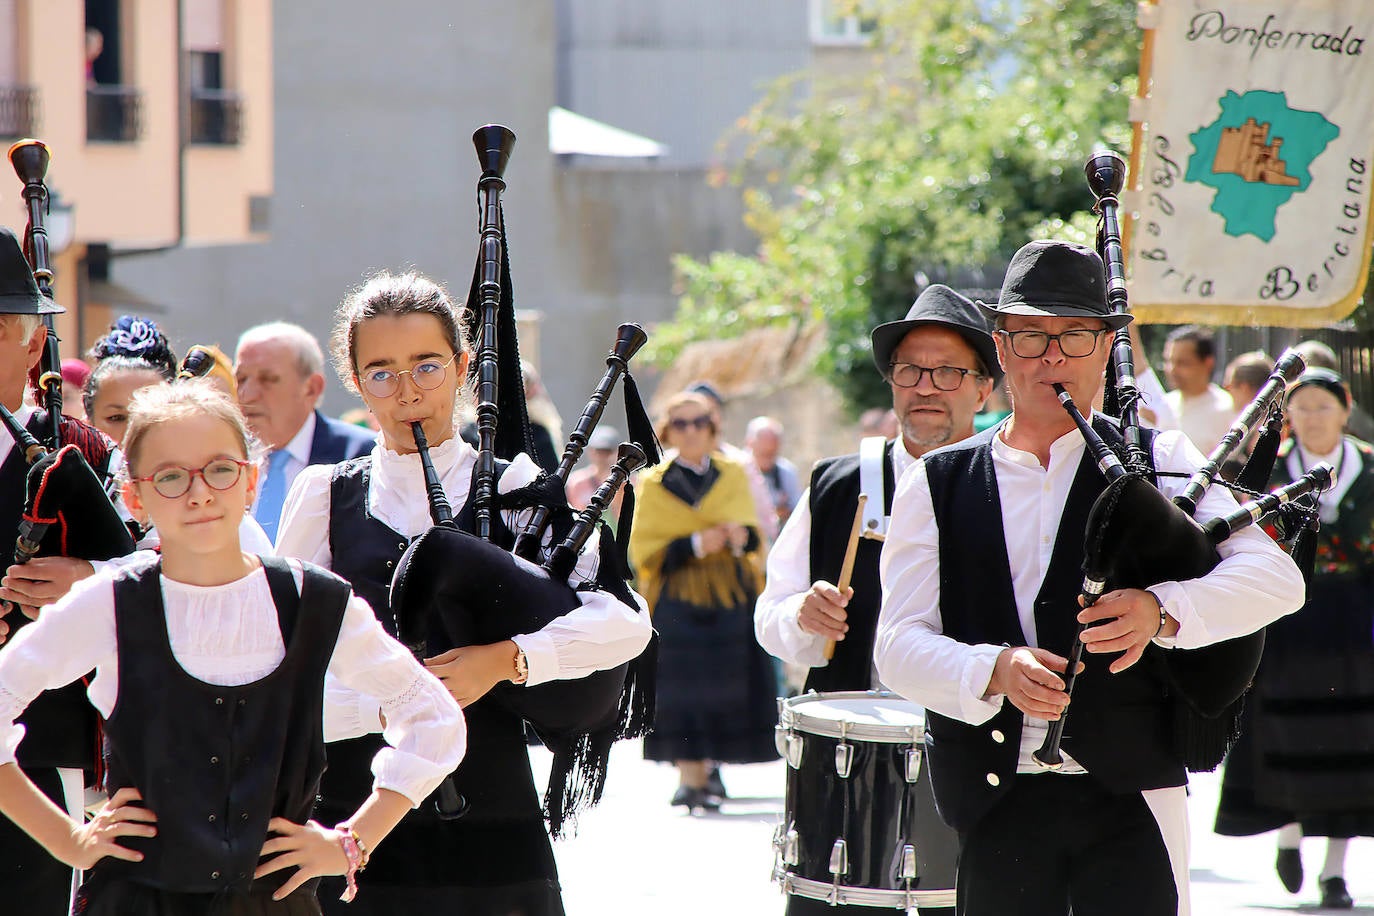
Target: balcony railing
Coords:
[(114, 114), (18, 111), (215, 117)]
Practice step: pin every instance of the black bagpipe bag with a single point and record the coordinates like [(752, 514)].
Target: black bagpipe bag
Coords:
[(1136, 538)]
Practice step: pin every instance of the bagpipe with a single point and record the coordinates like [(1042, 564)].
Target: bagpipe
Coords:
[(1137, 538), (478, 588), (67, 507)]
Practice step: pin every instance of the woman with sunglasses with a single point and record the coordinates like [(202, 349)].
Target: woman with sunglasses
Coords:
[(695, 543), (398, 342), (210, 668)]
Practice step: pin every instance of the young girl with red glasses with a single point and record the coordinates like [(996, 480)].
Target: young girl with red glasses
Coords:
[(210, 666)]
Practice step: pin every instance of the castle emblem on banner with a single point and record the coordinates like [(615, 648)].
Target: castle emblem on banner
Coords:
[(1257, 165)]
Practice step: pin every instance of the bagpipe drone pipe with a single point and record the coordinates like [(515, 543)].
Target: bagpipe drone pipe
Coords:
[(1136, 537), (475, 588), (67, 506)]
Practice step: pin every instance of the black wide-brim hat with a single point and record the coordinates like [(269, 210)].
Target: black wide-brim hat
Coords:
[(938, 306), (19, 293), (1057, 280)]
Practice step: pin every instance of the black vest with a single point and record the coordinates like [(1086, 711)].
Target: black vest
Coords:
[(217, 763), (60, 725), (1119, 725), (501, 839), (834, 499)]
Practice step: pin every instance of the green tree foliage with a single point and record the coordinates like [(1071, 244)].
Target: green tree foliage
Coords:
[(966, 138)]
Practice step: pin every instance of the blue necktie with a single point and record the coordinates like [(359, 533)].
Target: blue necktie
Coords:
[(273, 493)]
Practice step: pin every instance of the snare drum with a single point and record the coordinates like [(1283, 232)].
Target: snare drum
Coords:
[(860, 827)]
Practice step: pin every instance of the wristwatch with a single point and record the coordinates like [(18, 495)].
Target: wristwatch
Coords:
[(522, 667)]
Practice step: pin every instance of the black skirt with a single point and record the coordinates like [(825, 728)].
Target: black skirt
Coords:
[(717, 693), (1306, 752), (110, 895)]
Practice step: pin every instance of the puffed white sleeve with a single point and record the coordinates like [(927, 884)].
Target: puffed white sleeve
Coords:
[(304, 529), (71, 637), (424, 726), (601, 633)]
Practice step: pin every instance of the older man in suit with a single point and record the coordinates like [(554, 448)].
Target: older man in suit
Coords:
[(280, 372)]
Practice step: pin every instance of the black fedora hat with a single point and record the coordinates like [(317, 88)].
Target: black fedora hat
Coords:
[(19, 293), (940, 306), (1057, 280)]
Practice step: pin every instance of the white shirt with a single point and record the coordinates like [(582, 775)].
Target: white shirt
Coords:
[(228, 635), (1254, 584), (1344, 459), (789, 580), (1204, 418), (298, 458), (601, 634)]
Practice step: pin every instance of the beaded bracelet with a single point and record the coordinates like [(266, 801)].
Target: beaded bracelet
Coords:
[(356, 854), (1163, 616)]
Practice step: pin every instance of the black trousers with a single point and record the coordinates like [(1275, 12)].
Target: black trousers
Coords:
[(1059, 842), (27, 872)]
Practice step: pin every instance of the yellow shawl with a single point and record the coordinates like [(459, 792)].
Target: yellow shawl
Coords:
[(717, 580)]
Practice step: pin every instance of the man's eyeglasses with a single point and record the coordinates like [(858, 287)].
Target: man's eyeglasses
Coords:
[(175, 482), (944, 378), (1074, 344), (682, 424), (427, 374)]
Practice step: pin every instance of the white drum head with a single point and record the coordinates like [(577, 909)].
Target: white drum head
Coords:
[(862, 715)]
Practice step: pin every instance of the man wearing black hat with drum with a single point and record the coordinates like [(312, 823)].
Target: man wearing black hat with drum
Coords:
[(941, 364), (981, 574), (61, 726)]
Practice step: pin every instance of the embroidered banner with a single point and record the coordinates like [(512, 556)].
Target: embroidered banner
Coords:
[(1256, 163)]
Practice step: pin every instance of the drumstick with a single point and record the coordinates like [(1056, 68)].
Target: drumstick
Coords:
[(847, 567)]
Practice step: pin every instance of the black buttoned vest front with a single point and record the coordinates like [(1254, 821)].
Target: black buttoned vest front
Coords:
[(1118, 726), (217, 763), (501, 839)]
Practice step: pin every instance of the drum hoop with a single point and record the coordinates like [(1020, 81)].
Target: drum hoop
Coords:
[(865, 896), (790, 716)]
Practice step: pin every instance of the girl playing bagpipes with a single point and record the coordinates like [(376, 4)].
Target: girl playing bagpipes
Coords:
[(210, 670), (399, 342)]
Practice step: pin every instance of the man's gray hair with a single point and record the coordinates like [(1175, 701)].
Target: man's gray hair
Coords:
[(28, 324), (760, 424), (309, 355)]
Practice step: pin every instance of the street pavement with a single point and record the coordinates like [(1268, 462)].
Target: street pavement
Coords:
[(635, 854)]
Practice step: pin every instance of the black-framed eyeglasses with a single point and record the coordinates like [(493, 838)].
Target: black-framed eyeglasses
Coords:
[(682, 424), (427, 374), (944, 378), (175, 482), (1075, 344)]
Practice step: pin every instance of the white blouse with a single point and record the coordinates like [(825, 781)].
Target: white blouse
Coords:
[(229, 635), (601, 634)]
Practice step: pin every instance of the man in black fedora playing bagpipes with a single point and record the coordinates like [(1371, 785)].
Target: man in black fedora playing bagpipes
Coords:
[(981, 574), (60, 741), (941, 364)]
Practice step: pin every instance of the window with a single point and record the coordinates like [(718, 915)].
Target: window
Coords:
[(215, 112), (841, 22)]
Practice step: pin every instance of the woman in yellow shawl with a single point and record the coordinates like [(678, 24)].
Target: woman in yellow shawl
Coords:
[(695, 543)]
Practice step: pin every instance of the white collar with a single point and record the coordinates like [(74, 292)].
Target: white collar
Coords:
[(299, 446)]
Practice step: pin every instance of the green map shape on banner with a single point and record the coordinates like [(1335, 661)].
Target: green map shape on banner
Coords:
[(1257, 155)]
